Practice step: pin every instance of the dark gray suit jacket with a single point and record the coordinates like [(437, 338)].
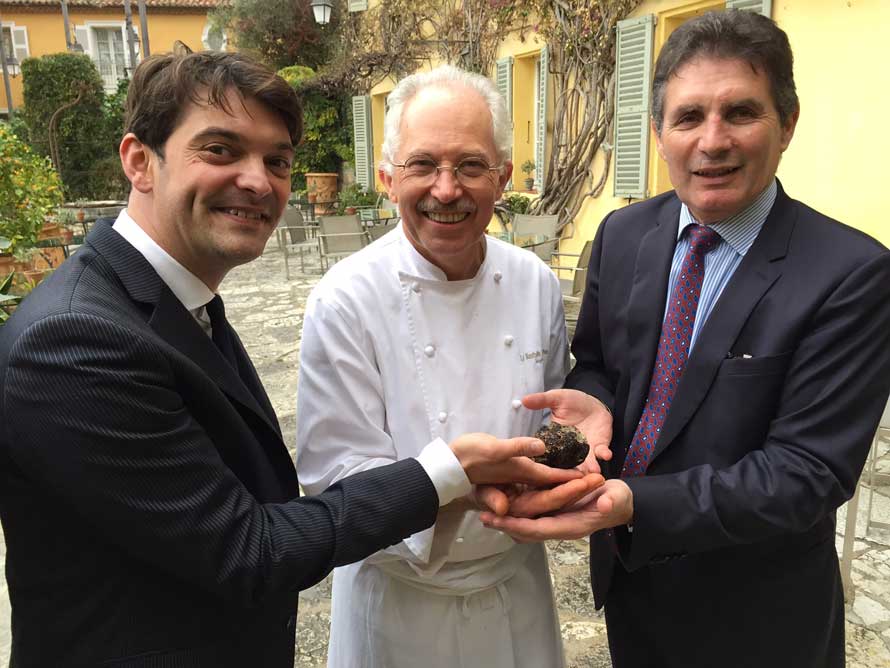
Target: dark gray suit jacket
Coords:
[(146, 496), (734, 521)]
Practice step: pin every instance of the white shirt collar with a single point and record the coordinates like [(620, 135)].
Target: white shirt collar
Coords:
[(188, 288)]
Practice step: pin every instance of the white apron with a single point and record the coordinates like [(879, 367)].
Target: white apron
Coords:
[(394, 356)]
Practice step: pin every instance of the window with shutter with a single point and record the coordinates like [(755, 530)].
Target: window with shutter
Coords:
[(764, 7), (358, 5), (541, 119), (632, 101), (504, 81), (213, 38), (364, 143), (15, 45), (82, 38)]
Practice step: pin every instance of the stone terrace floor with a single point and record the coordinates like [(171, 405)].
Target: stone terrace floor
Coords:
[(267, 311)]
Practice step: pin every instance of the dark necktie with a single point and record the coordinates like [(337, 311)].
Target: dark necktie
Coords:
[(673, 350), (220, 330)]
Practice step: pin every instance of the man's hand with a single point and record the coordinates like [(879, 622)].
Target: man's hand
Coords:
[(525, 501), (490, 460), (608, 506), (583, 411)]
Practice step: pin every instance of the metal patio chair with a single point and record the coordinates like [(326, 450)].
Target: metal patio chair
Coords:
[(339, 236), (292, 236), (536, 234)]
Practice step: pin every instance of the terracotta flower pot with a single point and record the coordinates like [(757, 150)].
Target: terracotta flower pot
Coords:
[(324, 185)]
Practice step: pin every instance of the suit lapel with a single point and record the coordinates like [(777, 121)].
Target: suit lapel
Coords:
[(646, 306), (759, 269), (172, 322)]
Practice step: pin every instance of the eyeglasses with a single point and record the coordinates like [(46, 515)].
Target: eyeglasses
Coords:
[(472, 172)]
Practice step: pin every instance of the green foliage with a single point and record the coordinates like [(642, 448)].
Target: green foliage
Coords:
[(327, 136), (516, 203), (88, 132), (296, 75), (8, 301), (528, 167), (355, 195), (29, 190), (280, 32)]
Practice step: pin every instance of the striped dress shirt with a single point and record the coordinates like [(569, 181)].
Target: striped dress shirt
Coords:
[(737, 234)]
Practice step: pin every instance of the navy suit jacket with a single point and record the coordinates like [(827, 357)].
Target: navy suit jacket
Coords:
[(147, 499), (769, 429)]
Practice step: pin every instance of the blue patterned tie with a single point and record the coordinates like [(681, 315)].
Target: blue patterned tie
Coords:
[(673, 350)]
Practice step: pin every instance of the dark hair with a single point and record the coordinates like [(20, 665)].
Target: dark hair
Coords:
[(163, 86), (736, 35)]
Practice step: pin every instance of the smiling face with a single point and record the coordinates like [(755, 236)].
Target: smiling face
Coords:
[(445, 220), (215, 197), (721, 136)]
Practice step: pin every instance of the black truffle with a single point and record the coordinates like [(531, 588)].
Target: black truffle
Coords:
[(566, 446)]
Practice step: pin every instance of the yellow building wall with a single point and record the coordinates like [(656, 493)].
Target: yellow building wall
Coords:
[(835, 161), (46, 33)]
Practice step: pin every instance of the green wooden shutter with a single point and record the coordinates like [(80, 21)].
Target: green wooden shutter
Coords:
[(358, 5), (541, 119), (764, 7), (364, 143), (632, 102), (504, 81)]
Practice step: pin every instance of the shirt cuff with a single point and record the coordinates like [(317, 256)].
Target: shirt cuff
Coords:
[(444, 469)]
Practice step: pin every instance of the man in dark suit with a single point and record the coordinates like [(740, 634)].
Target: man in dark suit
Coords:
[(733, 346), (148, 502)]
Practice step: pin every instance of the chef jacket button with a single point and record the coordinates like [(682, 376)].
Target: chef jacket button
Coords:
[(516, 403), (498, 276), (415, 286), (459, 539), (429, 351), (443, 416), (508, 340)]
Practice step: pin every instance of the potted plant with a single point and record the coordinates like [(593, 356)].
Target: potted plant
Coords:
[(354, 197), (30, 190), (527, 168)]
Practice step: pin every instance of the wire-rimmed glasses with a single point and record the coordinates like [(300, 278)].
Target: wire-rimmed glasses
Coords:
[(470, 172)]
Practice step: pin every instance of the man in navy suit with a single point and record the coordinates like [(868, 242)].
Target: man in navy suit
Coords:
[(148, 502), (733, 346)]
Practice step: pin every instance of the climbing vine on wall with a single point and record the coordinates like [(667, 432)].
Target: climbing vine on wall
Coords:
[(581, 38)]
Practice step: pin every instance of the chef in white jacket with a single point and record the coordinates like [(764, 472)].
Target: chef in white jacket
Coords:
[(433, 331)]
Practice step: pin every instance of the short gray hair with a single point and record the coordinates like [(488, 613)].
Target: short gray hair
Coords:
[(444, 76), (732, 35)]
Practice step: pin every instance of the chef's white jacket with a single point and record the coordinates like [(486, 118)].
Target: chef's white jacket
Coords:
[(396, 359)]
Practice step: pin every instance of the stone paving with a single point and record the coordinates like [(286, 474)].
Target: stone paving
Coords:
[(267, 311)]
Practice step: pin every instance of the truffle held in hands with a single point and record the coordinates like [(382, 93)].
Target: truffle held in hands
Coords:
[(566, 447)]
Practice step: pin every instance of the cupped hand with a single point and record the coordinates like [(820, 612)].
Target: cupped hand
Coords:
[(525, 501), (583, 411), (608, 506)]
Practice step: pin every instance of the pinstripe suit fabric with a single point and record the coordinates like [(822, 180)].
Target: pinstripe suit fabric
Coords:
[(147, 498)]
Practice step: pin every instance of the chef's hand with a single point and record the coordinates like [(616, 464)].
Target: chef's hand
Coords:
[(608, 506), (525, 501), (490, 460), (583, 411)]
